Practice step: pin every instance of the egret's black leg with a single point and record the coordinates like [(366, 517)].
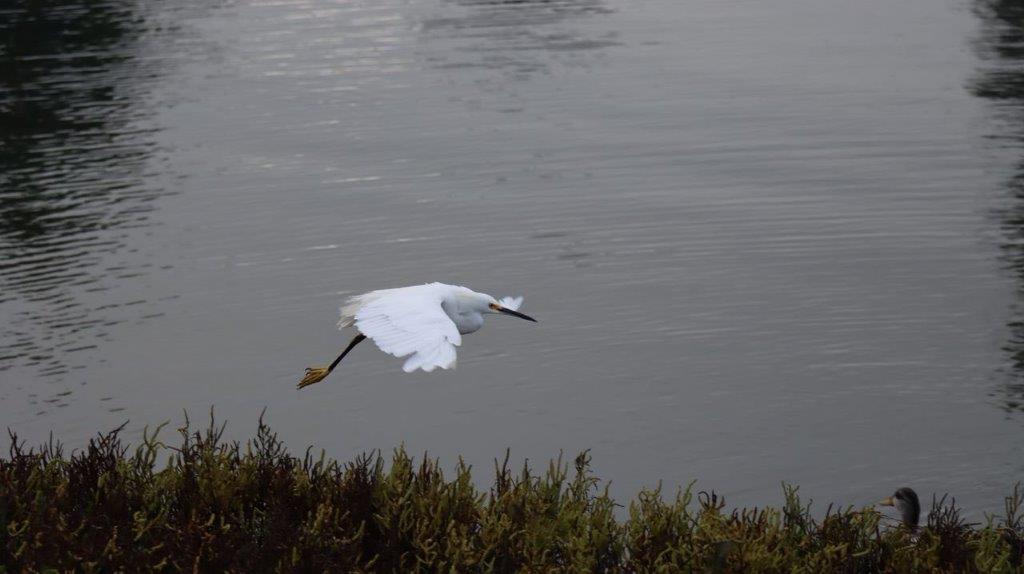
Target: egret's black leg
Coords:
[(317, 374), (358, 339)]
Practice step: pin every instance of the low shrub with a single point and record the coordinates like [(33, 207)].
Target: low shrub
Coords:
[(216, 505)]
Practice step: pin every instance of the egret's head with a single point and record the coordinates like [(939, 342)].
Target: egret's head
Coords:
[(507, 306), (905, 502)]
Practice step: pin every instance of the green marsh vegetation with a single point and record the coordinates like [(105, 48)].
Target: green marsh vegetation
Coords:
[(209, 505)]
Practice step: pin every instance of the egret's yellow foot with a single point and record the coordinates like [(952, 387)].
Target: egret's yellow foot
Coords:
[(314, 375)]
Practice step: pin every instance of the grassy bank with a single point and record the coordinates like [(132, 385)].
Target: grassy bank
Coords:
[(217, 506)]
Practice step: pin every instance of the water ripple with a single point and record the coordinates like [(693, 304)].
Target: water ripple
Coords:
[(77, 157), (1000, 46)]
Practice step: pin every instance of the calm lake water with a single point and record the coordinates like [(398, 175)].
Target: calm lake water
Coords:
[(765, 241)]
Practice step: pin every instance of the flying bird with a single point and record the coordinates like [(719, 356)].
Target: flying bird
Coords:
[(424, 323)]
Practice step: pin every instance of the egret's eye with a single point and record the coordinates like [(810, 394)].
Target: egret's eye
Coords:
[(493, 306)]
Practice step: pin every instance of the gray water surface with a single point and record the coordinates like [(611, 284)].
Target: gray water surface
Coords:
[(765, 241)]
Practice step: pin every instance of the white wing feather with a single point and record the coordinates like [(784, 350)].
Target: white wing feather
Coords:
[(511, 303), (406, 322)]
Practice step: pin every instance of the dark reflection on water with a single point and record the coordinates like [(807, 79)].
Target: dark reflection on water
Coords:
[(1001, 79), (77, 156)]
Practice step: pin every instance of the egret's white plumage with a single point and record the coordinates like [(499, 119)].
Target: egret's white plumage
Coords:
[(409, 321), (423, 323), (511, 303)]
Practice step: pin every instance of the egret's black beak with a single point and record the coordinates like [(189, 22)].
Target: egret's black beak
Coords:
[(516, 314)]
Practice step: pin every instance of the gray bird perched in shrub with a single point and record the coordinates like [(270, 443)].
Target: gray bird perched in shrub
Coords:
[(906, 503)]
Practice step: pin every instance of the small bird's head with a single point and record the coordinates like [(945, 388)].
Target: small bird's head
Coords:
[(507, 306), (905, 502)]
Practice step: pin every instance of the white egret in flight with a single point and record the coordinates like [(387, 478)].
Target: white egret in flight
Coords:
[(424, 323)]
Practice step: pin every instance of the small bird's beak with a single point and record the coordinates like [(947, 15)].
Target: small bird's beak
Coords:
[(886, 502), (515, 314)]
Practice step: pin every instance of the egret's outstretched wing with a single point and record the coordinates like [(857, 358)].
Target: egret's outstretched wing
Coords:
[(407, 322), (511, 303)]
